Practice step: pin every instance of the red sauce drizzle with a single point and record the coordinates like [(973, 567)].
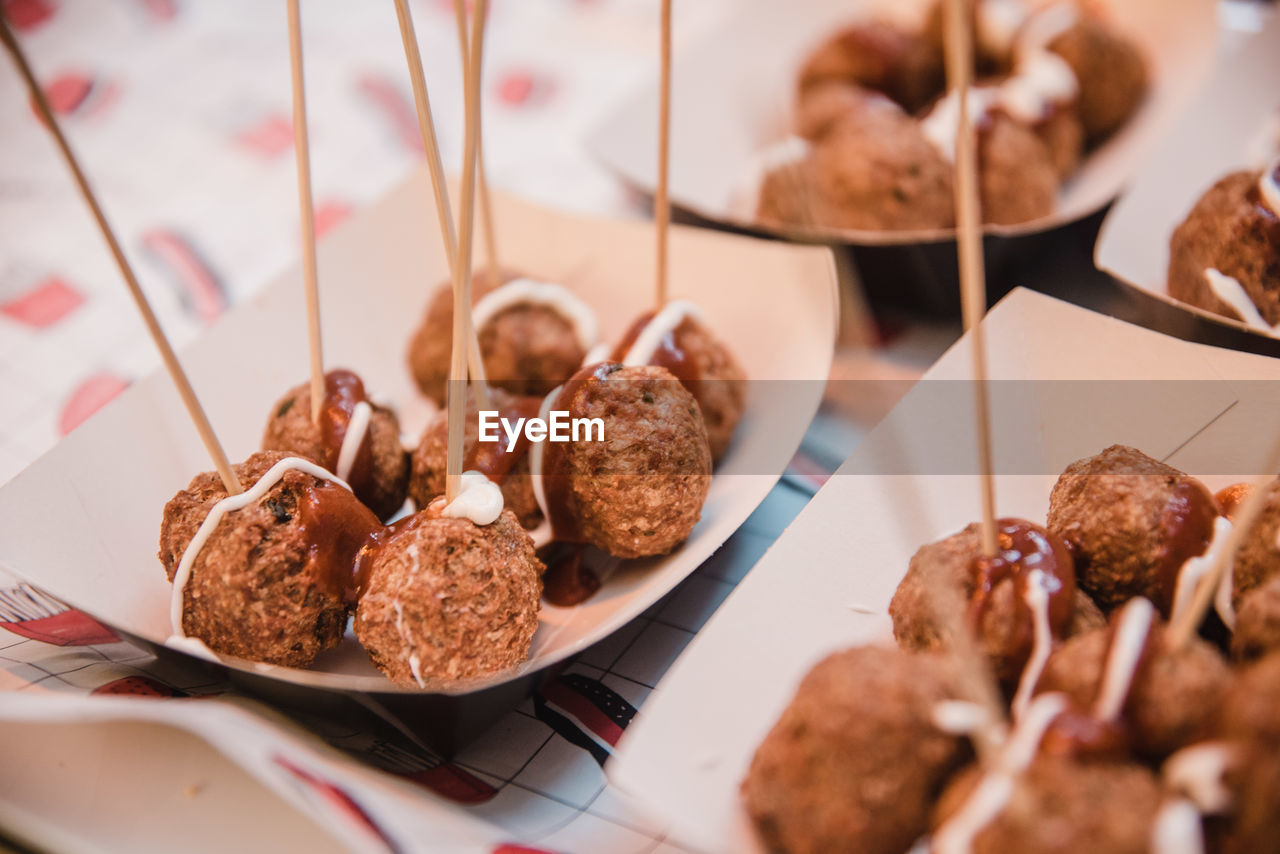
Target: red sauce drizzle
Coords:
[(568, 581), (1186, 527), (492, 459), (1077, 734), (337, 527), (342, 391), (1230, 498), (1024, 547), (669, 355), (557, 474)]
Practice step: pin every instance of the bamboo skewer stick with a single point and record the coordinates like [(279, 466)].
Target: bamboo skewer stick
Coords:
[(306, 210), (1184, 629), (440, 188), (482, 172), (973, 292), (661, 202), (462, 270), (171, 363)]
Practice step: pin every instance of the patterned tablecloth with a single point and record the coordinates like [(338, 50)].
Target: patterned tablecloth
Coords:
[(180, 112)]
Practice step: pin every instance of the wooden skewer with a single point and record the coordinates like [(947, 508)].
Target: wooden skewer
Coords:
[(462, 270), (306, 211), (482, 172), (973, 291), (440, 188), (661, 202), (1184, 629), (179, 377), (975, 681)]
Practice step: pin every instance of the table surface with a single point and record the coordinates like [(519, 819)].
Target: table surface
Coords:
[(180, 112)]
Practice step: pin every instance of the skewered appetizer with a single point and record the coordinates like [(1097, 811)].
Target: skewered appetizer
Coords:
[(1123, 735), (1225, 256), (877, 133), (533, 335), (356, 439)]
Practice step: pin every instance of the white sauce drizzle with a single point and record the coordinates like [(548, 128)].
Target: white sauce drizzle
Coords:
[(535, 457), (1230, 291), (942, 123), (787, 151), (1130, 637), (357, 427), (993, 791), (1268, 188), (229, 505), (556, 297), (1197, 773), (662, 324), (959, 717), (1176, 828), (479, 500), (1195, 568), (1040, 80), (1037, 598)]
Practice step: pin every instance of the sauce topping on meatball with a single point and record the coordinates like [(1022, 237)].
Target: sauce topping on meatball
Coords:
[(344, 419), (1186, 527), (1026, 548), (493, 459)]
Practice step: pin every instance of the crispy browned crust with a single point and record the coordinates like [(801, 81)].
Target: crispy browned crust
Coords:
[(1109, 507), (430, 459), (1257, 631), (1018, 180), (721, 386), (1174, 697), (1228, 231), (902, 65), (291, 431), (527, 349), (1111, 71), (462, 598), (252, 593), (855, 760), (873, 169), (1258, 558), (640, 491), (1060, 806)]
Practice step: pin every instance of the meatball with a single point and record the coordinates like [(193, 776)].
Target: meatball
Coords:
[(639, 492), (1250, 719), (509, 470), (873, 170), (273, 581), (445, 598), (880, 56), (855, 759), (995, 592), (1229, 230), (1132, 523), (1258, 558), (528, 347), (379, 470), (822, 107), (1257, 631), (1173, 697), (1018, 178), (1063, 137), (1059, 805), (1111, 71), (705, 367)]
